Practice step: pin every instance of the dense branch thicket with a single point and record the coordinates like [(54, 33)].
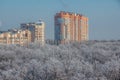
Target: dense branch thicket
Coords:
[(92, 60)]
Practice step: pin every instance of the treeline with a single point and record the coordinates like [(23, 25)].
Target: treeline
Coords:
[(89, 60)]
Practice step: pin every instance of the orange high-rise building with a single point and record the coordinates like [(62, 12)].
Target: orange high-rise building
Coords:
[(70, 27)]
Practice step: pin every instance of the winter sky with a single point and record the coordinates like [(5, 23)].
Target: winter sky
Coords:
[(104, 15)]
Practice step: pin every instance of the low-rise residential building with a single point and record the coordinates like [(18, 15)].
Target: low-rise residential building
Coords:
[(28, 32), (21, 37)]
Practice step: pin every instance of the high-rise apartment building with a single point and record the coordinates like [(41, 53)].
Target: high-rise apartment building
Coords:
[(37, 30), (70, 27)]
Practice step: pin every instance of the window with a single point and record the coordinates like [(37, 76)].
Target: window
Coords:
[(60, 20), (26, 35), (67, 21)]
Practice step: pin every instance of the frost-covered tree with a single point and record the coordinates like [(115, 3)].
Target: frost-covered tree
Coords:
[(88, 60)]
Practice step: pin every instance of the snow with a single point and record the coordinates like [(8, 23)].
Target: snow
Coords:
[(91, 60)]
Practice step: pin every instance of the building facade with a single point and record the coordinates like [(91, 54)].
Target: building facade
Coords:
[(28, 32), (70, 27), (21, 37), (37, 30)]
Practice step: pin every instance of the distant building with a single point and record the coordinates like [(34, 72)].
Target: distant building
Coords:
[(29, 32), (21, 37), (37, 30), (70, 27)]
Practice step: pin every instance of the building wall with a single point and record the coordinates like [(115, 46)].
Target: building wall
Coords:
[(70, 27), (29, 32), (21, 37), (37, 31)]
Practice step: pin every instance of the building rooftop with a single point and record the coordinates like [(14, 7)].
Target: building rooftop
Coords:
[(70, 13), (33, 23)]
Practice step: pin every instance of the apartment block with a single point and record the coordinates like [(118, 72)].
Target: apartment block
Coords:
[(37, 30), (70, 27), (21, 37), (28, 32)]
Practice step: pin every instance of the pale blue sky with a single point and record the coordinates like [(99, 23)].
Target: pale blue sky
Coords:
[(104, 15)]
